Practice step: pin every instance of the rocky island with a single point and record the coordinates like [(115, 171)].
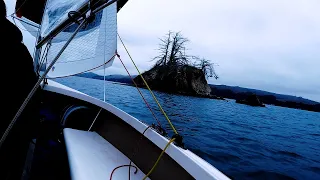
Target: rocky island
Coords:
[(178, 73), (186, 80)]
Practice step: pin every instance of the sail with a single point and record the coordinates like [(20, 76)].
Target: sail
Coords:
[(53, 12), (56, 12), (93, 46)]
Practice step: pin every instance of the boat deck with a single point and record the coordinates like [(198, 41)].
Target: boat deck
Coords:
[(92, 157)]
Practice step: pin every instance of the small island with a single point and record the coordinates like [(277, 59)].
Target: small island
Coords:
[(251, 100), (178, 73)]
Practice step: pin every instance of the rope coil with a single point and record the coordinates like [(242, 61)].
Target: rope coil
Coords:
[(135, 172)]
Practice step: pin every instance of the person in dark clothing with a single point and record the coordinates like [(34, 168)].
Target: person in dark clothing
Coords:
[(15, 57), (3, 9), (17, 79)]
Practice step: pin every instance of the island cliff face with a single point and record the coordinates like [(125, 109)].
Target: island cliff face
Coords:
[(186, 80)]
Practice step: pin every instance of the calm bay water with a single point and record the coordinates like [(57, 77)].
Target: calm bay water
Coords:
[(241, 141)]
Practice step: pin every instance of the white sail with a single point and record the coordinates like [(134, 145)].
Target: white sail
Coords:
[(28, 25), (56, 11), (93, 46)]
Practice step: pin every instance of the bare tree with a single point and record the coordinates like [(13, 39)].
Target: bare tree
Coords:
[(172, 50), (172, 53), (206, 66), (177, 53), (162, 58)]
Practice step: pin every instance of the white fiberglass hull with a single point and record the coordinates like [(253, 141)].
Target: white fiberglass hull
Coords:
[(194, 166)]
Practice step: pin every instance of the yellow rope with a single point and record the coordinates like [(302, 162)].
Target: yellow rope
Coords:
[(154, 97), (156, 163)]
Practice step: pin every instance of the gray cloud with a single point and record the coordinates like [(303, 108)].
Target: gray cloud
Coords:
[(270, 45)]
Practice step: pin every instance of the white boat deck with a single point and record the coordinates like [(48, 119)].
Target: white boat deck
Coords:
[(92, 157)]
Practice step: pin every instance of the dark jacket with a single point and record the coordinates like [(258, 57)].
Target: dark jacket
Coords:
[(17, 80), (17, 74)]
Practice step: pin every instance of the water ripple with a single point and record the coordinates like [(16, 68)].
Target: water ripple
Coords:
[(243, 142)]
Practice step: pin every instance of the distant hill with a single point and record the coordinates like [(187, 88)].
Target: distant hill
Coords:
[(114, 78), (280, 97), (235, 92), (88, 75)]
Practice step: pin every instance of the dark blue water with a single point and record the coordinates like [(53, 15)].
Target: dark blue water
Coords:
[(241, 141)]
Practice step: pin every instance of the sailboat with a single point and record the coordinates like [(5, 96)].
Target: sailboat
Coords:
[(82, 137)]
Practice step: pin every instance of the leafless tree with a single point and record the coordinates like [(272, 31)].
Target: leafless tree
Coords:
[(172, 53), (162, 58), (172, 50), (206, 66)]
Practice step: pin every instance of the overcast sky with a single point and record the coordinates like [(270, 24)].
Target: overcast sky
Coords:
[(270, 45)]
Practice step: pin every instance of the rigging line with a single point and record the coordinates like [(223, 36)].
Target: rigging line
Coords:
[(154, 97), (104, 6), (95, 119), (45, 55), (44, 58), (104, 82), (104, 58), (161, 154), (83, 71), (135, 84)]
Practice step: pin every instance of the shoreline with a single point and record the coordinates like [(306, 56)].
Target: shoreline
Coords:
[(208, 97), (181, 94), (287, 104)]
